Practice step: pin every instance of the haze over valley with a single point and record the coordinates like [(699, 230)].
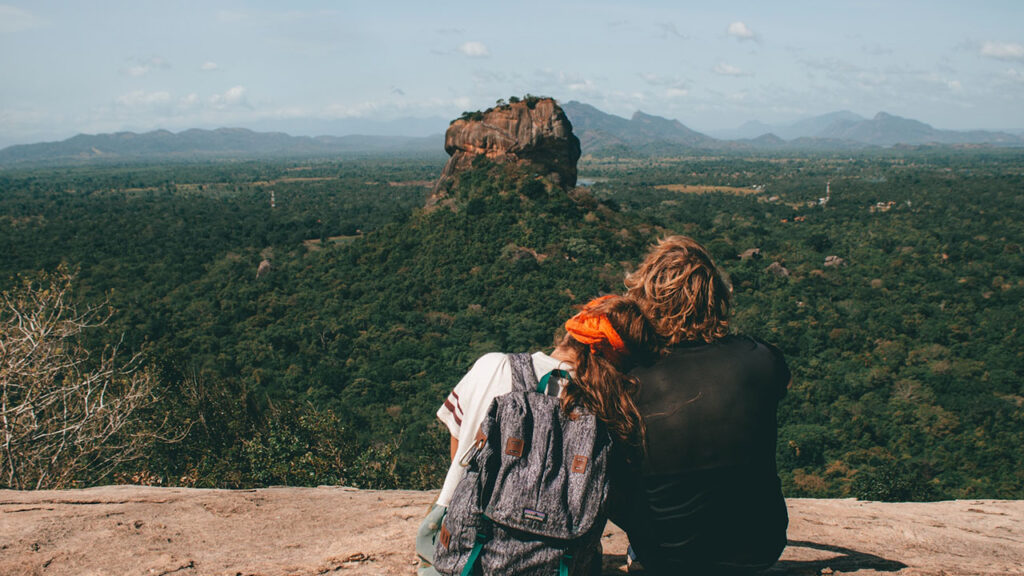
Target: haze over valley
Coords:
[(601, 134), (406, 68)]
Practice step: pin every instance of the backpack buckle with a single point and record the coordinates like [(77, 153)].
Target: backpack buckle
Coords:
[(478, 444)]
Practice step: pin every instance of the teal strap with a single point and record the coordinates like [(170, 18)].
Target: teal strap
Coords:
[(471, 561), (542, 386), (563, 566), (482, 536)]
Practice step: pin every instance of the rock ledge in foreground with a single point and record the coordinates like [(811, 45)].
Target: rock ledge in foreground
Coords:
[(311, 531)]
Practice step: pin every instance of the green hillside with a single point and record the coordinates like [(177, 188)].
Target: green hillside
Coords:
[(906, 356)]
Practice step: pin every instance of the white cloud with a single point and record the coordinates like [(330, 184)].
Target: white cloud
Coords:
[(285, 112), (141, 98), (1014, 75), (141, 67), (189, 101), (209, 65), (724, 69), (14, 19), (234, 96), (933, 79), (677, 92), (581, 86), (1003, 50), (673, 82), (871, 79), (475, 50), (741, 31), (549, 81), (136, 71)]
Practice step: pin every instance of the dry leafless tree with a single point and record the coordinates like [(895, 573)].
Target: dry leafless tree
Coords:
[(64, 413)]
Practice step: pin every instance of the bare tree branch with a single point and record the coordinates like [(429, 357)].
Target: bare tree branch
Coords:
[(63, 413)]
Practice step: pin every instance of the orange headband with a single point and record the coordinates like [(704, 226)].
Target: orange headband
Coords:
[(595, 329)]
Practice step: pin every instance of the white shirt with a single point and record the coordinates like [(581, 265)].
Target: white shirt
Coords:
[(464, 409)]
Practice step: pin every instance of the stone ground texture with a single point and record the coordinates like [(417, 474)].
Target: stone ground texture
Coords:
[(124, 530)]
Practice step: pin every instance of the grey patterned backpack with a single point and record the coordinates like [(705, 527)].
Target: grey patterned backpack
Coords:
[(533, 497)]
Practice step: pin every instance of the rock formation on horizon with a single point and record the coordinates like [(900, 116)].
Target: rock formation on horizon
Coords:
[(533, 133)]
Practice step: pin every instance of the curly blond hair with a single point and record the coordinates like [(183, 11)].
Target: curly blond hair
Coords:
[(682, 291)]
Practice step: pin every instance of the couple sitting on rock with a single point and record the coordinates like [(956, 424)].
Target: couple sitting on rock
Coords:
[(689, 412)]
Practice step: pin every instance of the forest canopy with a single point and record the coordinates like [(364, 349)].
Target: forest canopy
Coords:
[(894, 295)]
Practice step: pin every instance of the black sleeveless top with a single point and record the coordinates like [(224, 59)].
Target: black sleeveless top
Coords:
[(706, 497)]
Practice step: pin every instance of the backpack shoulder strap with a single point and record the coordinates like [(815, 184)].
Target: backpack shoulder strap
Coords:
[(545, 387), (523, 376)]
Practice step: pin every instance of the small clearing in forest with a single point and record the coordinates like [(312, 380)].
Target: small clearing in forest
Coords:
[(701, 189)]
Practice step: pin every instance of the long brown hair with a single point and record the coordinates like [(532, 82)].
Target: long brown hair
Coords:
[(601, 384), (683, 292)]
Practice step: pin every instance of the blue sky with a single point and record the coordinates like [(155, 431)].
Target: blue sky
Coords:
[(71, 67)]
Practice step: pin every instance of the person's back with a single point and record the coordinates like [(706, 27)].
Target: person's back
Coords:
[(526, 489), (705, 498)]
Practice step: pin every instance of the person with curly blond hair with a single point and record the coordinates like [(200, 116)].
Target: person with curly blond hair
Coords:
[(705, 497)]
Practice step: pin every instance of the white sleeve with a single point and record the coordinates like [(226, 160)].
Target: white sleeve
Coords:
[(473, 394), (465, 408)]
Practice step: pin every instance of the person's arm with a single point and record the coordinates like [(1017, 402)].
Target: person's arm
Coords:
[(484, 380), (783, 377)]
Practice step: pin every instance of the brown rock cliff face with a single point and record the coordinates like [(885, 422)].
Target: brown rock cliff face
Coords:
[(538, 135)]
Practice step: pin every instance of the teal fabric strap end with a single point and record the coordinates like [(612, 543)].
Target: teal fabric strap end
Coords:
[(563, 566), (542, 386), (471, 561), (482, 536)]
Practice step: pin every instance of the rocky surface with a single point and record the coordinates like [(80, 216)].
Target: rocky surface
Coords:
[(534, 132), (122, 530)]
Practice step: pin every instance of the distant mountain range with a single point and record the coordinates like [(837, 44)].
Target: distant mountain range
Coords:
[(805, 128), (211, 144), (604, 134), (600, 134)]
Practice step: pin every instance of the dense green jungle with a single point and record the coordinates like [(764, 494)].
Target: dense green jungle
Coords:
[(897, 300)]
